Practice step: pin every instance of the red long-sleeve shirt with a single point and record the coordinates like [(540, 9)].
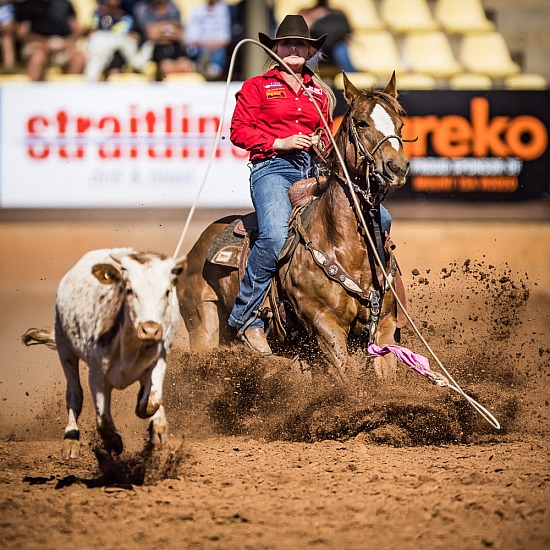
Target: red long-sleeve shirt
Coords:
[(267, 109)]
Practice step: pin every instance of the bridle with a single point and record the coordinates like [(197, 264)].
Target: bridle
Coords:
[(372, 192)]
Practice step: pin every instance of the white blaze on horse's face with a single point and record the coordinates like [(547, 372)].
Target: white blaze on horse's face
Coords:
[(384, 124)]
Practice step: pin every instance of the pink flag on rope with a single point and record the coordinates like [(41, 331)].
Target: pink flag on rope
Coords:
[(417, 362)]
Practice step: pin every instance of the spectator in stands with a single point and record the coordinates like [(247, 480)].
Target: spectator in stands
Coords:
[(7, 36), (322, 19), (238, 13), (160, 22), (48, 31), (207, 37), (110, 45)]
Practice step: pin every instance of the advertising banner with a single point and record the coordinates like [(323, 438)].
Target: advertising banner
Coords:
[(149, 145), (118, 145), (486, 145)]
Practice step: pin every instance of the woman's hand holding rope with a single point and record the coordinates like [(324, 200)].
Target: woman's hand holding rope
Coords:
[(296, 141)]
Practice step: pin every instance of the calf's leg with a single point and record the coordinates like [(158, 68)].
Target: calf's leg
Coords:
[(101, 395), (158, 428), (151, 389), (73, 399)]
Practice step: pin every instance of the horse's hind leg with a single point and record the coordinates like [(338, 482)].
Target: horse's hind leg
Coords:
[(203, 325)]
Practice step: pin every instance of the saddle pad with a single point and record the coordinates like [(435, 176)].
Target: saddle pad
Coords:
[(226, 247)]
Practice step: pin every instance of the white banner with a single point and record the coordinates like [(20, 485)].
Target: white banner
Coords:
[(118, 145)]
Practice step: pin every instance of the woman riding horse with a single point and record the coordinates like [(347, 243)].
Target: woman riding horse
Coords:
[(331, 283), (275, 120)]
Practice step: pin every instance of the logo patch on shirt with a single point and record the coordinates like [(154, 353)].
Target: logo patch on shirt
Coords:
[(274, 94), (316, 91), (273, 85)]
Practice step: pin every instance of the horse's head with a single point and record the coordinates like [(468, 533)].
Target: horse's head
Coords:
[(371, 135)]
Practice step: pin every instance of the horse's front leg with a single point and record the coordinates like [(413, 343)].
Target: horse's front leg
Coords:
[(332, 340), (386, 367)]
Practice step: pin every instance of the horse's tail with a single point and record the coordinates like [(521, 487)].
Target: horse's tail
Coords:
[(35, 337)]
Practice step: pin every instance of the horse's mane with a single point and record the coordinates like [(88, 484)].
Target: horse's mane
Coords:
[(378, 95)]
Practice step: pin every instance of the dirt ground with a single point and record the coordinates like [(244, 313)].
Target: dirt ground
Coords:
[(289, 461)]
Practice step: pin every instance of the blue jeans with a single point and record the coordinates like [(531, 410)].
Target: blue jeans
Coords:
[(217, 57), (270, 181), (385, 220)]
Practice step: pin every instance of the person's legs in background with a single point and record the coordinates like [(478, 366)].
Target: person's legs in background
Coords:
[(340, 56)]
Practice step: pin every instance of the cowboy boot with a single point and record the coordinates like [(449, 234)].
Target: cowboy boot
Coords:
[(255, 339)]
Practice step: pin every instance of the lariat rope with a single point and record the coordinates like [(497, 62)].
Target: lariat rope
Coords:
[(449, 382)]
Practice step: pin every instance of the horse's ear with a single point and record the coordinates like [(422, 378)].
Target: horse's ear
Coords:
[(350, 91), (391, 88)]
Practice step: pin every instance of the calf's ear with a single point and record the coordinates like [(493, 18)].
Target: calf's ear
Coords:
[(106, 274)]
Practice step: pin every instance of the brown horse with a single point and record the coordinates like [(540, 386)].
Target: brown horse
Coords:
[(331, 281)]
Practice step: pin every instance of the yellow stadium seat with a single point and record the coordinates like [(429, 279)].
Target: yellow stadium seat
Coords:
[(461, 16), (470, 81), (127, 78), (187, 7), (184, 77), (415, 81), (525, 81), (487, 53), (362, 14), (407, 15), (14, 78), (363, 81), (431, 53), (65, 78), (290, 7), (375, 52), (84, 11)]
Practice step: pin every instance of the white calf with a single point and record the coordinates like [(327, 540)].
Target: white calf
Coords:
[(117, 310)]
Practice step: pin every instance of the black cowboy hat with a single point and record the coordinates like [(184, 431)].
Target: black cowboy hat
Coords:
[(292, 26)]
